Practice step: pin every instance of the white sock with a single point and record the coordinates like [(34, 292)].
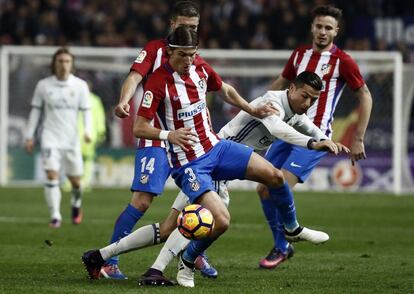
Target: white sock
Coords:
[(172, 247), (76, 200), (53, 197), (141, 238)]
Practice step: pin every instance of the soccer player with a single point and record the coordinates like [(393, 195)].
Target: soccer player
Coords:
[(289, 124), (336, 68), (176, 94), (151, 164), (59, 98)]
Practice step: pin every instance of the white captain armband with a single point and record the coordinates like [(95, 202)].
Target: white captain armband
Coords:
[(163, 135)]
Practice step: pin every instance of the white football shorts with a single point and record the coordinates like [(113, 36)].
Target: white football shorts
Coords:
[(70, 159)]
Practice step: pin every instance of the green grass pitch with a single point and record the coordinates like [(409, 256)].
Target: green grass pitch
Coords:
[(371, 248)]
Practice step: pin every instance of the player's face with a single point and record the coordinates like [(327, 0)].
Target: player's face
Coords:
[(181, 59), (191, 22), (63, 65), (324, 29), (301, 99)]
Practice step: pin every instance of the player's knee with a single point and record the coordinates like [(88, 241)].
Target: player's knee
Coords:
[(141, 206), (277, 178), (52, 176), (50, 183), (222, 223), (262, 191), (141, 201), (75, 182)]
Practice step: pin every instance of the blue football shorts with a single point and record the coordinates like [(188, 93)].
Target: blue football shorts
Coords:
[(227, 160), (297, 160), (151, 170)]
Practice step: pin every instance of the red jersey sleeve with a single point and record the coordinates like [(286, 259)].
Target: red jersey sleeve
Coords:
[(289, 72), (153, 95), (146, 58), (214, 81), (349, 71)]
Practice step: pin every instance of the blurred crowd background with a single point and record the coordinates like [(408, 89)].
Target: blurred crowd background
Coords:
[(247, 24)]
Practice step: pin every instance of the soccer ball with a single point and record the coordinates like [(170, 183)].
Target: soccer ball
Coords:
[(195, 222)]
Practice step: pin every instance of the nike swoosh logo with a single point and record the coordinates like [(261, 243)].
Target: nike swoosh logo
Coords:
[(293, 164)]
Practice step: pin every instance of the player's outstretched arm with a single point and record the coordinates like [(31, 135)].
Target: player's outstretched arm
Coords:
[(231, 96), (365, 100), (127, 92), (329, 146)]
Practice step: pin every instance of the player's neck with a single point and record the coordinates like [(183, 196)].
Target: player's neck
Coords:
[(63, 77), (322, 49)]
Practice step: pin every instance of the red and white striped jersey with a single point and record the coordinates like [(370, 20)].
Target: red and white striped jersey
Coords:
[(149, 59), (335, 68), (180, 101)]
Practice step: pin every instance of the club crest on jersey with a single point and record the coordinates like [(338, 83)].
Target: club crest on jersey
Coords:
[(191, 110), (195, 186), (144, 179), (325, 69), (141, 56), (147, 99), (202, 84)]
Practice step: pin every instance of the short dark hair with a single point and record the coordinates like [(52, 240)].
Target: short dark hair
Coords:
[(185, 8), (327, 10), (308, 78), (62, 50), (183, 36)]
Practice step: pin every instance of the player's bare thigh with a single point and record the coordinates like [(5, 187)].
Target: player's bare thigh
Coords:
[(262, 171)]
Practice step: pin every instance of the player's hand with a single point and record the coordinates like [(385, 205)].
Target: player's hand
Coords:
[(29, 145), (264, 110), (342, 148), (357, 151), (183, 137), (325, 145), (87, 139), (122, 110)]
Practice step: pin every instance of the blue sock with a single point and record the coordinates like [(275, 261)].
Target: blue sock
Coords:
[(283, 199), (123, 227), (270, 213), (195, 248), (281, 242)]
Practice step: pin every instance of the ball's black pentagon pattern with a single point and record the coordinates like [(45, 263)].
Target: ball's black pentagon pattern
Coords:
[(192, 233)]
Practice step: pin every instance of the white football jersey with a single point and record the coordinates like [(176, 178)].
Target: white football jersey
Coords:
[(260, 133), (60, 103)]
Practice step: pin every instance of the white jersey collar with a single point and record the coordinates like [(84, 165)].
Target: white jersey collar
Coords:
[(63, 83)]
